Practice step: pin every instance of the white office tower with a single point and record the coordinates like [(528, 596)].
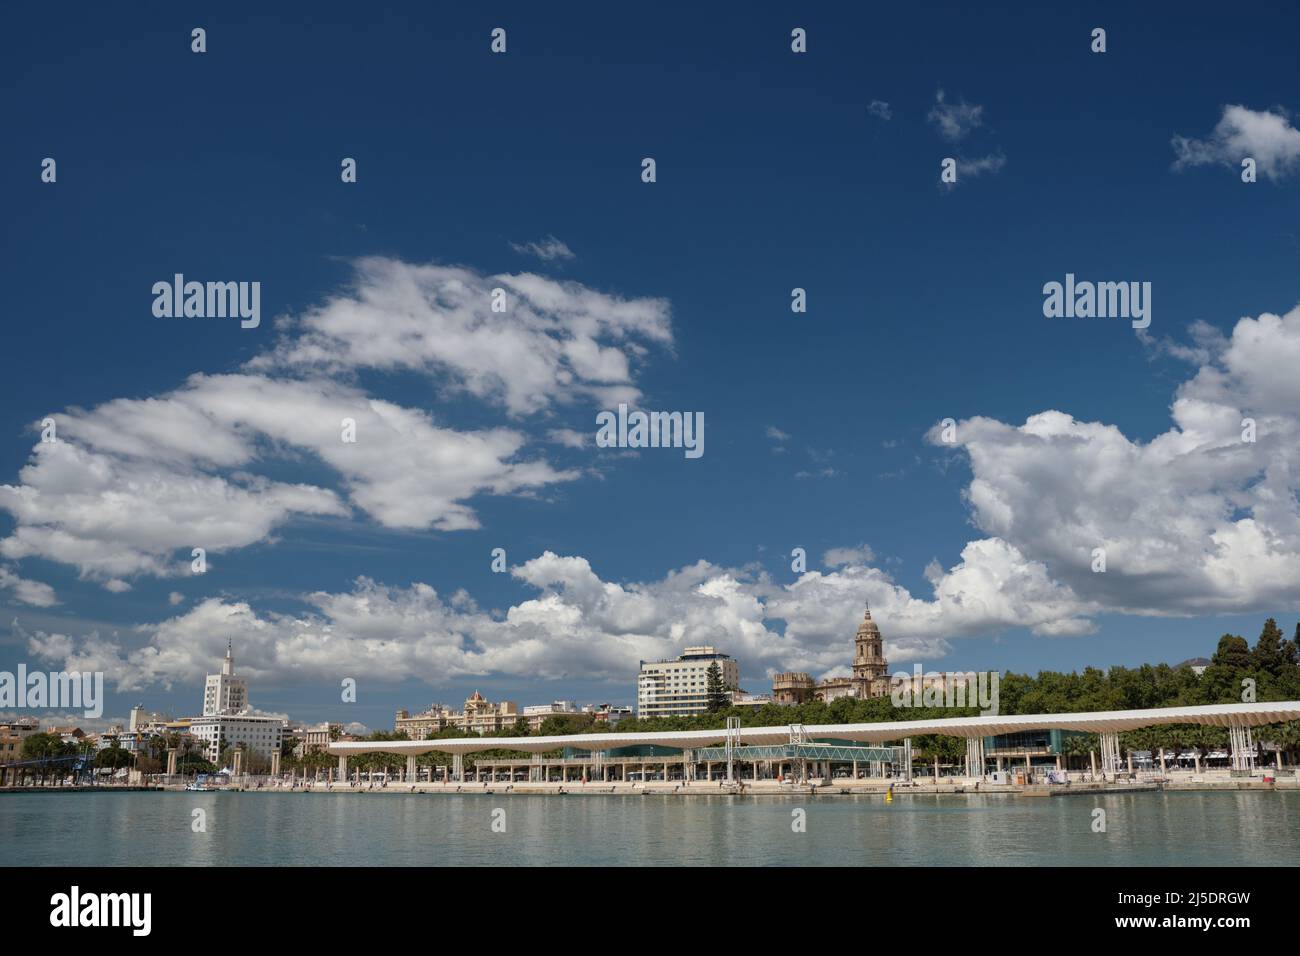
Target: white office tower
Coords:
[(225, 693), (226, 721)]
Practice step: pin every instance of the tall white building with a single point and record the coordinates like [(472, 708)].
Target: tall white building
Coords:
[(226, 721), (680, 688), (225, 693)]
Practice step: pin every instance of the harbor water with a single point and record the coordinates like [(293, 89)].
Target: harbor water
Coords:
[(342, 829)]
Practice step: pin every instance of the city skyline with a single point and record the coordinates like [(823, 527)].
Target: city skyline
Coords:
[(477, 430), (226, 694)]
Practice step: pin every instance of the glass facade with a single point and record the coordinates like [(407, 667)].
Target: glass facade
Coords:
[(650, 750), (1029, 741)]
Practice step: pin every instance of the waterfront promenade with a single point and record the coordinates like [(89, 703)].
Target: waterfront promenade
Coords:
[(851, 753), (1072, 783), (767, 787)]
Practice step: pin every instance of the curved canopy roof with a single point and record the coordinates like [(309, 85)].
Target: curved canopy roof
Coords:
[(1217, 715)]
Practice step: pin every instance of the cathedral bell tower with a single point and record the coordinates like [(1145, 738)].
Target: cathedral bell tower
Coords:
[(869, 664)]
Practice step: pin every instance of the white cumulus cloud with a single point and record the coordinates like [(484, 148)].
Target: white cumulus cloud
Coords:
[(955, 121), (555, 341), (133, 485), (547, 249), (1194, 521), (27, 591), (1265, 136)]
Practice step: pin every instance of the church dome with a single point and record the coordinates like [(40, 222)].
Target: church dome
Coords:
[(868, 627)]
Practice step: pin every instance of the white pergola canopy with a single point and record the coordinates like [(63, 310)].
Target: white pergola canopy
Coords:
[(1215, 715)]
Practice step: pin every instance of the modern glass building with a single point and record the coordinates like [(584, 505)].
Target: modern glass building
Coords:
[(1040, 747)]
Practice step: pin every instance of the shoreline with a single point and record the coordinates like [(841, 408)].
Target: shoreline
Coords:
[(761, 788)]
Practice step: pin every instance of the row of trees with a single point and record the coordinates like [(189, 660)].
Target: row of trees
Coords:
[(150, 758), (51, 752), (49, 748)]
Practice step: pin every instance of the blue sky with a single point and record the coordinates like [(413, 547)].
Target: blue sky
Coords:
[(773, 172)]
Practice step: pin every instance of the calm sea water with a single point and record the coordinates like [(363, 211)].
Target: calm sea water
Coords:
[(142, 829)]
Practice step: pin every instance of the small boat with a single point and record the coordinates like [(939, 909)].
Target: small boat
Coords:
[(200, 783)]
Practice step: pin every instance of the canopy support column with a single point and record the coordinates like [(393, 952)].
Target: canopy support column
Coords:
[(975, 757), (1243, 748), (1109, 755), (733, 741)]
